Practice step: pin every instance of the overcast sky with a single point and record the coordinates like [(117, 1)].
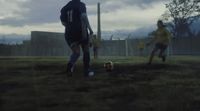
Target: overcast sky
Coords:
[(23, 16)]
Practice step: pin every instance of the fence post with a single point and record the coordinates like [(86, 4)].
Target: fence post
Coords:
[(126, 47)]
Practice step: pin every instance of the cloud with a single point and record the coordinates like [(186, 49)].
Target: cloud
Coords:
[(26, 29), (23, 12), (37, 12), (11, 9), (131, 18), (25, 15)]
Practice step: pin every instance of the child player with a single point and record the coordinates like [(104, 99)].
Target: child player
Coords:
[(161, 40)]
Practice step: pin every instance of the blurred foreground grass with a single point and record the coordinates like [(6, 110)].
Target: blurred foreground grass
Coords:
[(39, 84)]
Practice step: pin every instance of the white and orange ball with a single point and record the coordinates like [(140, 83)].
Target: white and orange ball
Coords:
[(109, 66)]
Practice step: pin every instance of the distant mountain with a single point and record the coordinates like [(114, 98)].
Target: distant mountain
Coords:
[(142, 32), (13, 38), (106, 35), (124, 34)]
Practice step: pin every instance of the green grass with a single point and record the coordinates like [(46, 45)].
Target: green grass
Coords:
[(39, 84)]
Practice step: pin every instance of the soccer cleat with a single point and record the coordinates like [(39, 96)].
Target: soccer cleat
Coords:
[(88, 73), (163, 58), (70, 69), (149, 63)]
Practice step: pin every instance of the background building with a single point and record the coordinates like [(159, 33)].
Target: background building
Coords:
[(54, 44)]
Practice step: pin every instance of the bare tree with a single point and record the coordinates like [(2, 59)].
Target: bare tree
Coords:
[(180, 16)]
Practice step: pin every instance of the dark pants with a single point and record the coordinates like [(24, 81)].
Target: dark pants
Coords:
[(161, 46), (75, 47), (158, 46)]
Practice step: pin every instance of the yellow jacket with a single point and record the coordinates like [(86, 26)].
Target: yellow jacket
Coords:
[(96, 42), (162, 36), (141, 45)]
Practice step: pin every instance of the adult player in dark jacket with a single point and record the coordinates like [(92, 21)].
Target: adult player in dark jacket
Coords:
[(74, 18)]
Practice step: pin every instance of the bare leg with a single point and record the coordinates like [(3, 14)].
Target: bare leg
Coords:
[(74, 57), (75, 54)]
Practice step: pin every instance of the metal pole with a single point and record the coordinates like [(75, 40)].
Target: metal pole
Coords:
[(99, 21)]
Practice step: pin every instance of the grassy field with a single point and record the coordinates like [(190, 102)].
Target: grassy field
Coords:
[(39, 84)]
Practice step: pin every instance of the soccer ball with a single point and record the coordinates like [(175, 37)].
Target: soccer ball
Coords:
[(109, 66)]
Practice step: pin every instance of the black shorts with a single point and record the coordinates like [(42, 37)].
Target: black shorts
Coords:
[(75, 38), (161, 46), (95, 49), (73, 43)]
